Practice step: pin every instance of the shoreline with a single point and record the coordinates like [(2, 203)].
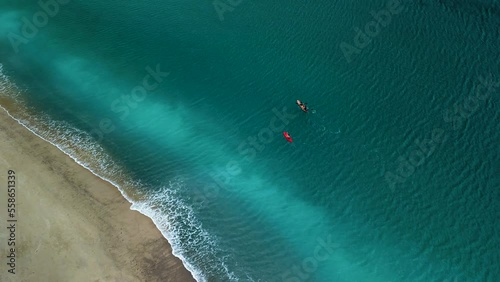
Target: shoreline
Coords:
[(73, 225)]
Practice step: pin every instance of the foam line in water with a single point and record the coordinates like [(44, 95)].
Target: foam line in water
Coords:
[(68, 139), (142, 207), (82, 148), (173, 217)]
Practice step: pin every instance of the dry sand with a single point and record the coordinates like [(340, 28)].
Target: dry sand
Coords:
[(73, 226)]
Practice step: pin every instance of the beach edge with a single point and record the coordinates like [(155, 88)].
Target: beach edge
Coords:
[(80, 226)]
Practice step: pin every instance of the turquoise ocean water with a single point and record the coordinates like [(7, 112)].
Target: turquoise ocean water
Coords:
[(392, 176)]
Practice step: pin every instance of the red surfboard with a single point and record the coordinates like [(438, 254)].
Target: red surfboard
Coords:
[(287, 136)]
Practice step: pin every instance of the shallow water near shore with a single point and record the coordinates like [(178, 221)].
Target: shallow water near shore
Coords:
[(391, 177)]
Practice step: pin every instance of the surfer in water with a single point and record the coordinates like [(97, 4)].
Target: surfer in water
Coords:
[(303, 106)]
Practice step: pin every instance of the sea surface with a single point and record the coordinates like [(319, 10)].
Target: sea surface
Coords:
[(393, 174)]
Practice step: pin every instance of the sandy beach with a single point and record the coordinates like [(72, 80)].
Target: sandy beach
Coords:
[(71, 225)]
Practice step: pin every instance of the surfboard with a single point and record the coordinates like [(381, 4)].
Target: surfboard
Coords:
[(299, 103), (288, 137)]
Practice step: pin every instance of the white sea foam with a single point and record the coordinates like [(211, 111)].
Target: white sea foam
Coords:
[(177, 222), (162, 207), (5, 84), (143, 207)]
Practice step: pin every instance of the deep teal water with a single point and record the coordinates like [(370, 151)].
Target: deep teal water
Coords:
[(353, 198)]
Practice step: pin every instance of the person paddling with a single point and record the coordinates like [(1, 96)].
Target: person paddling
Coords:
[(303, 106), (288, 137)]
